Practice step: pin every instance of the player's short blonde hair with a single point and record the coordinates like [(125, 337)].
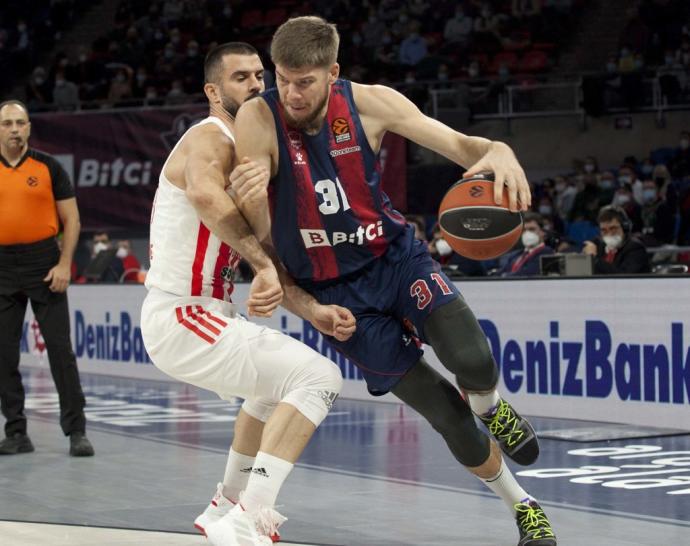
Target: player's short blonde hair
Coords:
[(305, 41)]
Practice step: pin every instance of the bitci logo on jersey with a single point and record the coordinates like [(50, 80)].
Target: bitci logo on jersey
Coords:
[(320, 237)]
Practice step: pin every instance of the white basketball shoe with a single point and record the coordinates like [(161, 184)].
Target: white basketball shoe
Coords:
[(243, 528), (217, 508)]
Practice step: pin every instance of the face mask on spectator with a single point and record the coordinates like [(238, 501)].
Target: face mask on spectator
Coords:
[(59, 82), (589, 167), (21, 28), (99, 247), (169, 53), (684, 143), (560, 187), (649, 195), (625, 179), (613, 241), (443, 247), (621, 199), (529, 239), (606, 184), (38, 80), (120, 78), (647, 168), (545, 210), (473, 72), (611, 67), (122, 253)]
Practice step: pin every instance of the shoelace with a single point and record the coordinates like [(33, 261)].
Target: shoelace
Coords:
[(533, 521), (268, 520), (504, 424)]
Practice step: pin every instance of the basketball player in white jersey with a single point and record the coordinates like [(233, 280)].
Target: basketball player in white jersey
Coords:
[(192, 332)]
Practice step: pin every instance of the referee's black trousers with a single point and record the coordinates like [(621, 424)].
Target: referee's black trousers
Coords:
[(22, 270)]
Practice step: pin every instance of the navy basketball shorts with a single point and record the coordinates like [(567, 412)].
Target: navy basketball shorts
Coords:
[(391, 300)]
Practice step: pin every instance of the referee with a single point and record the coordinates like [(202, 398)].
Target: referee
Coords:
[(35, 196)]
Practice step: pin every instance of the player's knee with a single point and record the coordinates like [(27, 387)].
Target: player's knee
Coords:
[(315, 389), (461, 346)]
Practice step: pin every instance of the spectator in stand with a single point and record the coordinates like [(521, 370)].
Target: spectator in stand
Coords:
[(547, 211), (65, 94), (680, 164), (524, 262), (628, 175), (623, 198), (565, 193), (39, 92), (413, 48), (121, 85), (458, 29), (607, 187), (130, 263), (177, 94), (141, 82), (372, 30), (588, 200), (616, 252), (590, 165), (658, 216), (112, 270)]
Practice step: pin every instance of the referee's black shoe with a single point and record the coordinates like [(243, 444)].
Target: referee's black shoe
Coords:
[(513, 433), (79, 445), (17, 443)]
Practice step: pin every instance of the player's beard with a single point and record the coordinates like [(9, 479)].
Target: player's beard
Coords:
[(311, 122), (231, 106)]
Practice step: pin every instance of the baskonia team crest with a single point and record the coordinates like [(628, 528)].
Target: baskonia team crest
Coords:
[(341, 130)]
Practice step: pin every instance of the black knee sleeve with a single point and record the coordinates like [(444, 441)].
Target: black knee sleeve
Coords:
[(461, 346), (440, 403)]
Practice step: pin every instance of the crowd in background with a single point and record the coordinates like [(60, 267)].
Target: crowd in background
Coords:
[(153, 54), (653, 192)]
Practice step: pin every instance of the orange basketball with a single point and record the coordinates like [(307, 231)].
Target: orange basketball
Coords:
[(473, 224)]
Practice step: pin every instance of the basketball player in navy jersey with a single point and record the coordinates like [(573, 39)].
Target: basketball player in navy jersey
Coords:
[(310, 148)]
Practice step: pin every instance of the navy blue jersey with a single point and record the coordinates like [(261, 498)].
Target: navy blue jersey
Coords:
[(330, 217)]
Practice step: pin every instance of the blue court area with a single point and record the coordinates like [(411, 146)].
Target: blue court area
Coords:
[(374, 474)]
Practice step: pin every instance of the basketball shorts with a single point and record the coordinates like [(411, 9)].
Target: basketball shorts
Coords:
[(391, 299), (204, 342)]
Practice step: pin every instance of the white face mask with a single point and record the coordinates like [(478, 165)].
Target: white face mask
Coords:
[(589, 167), (443, 247), (99, 247), (613, 241), (530, 239), (122, 253)]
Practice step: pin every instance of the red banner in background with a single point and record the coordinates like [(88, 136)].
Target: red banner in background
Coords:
[(114, 159)]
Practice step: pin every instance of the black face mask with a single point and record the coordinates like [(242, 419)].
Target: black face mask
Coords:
[(660, 180)]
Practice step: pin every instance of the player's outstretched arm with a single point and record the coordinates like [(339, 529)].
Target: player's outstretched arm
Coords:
[(208, 164), (384, 109)]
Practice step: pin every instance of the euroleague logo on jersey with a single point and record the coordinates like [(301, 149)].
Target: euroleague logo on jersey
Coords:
[(341, 130), (32, 181)]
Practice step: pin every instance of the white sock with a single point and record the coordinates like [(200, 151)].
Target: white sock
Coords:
[(482, 404), (506, 486), (237, 472), (268, 475)]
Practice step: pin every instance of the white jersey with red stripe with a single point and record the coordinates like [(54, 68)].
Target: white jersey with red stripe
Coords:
[(186, 258)]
